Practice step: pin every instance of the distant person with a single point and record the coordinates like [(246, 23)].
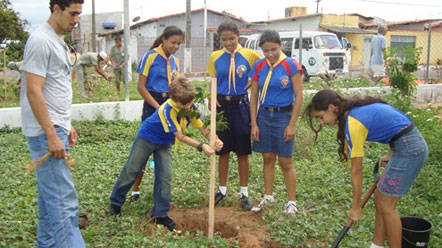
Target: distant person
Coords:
[(15, 66), (116, 57), (157, 69), (85, 60), (277, 87), (156, 136), (46, 99), (378, 47), (230, 66)]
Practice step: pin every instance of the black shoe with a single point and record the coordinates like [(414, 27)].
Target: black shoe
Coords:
[(218, 197), (134, 198), (114, 210), (246, 203), (165, 221)]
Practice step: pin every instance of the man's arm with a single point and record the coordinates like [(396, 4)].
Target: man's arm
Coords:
[(34, 88), (101, 72)]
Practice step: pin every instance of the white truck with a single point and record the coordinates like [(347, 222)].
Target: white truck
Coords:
[(322, 52)]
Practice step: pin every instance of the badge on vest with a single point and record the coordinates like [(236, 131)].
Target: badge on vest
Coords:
[(241, 70)]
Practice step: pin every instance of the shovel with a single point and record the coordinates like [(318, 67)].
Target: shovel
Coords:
[(364, 201)]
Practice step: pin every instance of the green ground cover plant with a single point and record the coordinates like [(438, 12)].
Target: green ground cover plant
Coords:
[(323, 184)]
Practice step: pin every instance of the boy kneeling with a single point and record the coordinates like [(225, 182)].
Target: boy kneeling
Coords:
[(156, 135)]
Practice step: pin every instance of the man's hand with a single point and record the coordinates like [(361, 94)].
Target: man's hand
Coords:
[(55, 146), (72, 137)]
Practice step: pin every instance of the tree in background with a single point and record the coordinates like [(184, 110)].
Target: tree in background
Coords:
[(11, 26)]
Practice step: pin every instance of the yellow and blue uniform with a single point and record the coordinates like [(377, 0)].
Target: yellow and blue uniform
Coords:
[(222, 67), (279, 86), (376, 122), (159, 69), (159, 127)]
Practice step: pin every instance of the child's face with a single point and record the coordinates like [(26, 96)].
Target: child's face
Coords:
[(327, 117), (184, 106)]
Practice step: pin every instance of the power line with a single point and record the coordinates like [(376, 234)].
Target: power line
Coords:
[(406, 4)]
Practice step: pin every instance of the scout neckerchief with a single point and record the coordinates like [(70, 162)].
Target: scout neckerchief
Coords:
[(281, 58), (183, 123), (161, 52), (232, 66)]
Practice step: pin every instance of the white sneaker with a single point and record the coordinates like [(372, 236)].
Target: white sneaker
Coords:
[(262, 204), (291, 208)]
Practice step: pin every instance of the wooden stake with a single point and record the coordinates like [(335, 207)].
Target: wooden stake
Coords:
[(212, 158)]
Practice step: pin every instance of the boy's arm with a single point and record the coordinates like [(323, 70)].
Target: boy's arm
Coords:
[(200, 146)]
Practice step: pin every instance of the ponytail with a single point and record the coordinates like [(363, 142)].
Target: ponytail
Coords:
[(168, 32)]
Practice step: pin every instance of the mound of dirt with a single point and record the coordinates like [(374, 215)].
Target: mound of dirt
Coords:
[(245, 227)]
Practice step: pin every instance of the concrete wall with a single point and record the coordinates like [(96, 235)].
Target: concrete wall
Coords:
[(131, 110), (340, 20)]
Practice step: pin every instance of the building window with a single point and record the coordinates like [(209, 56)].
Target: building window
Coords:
[(402, 41)]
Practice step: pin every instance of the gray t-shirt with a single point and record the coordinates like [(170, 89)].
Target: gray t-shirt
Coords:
[(117, 55), (47, 55), (88, 59)]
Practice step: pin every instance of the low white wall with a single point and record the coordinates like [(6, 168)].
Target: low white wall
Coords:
[(131, 110)]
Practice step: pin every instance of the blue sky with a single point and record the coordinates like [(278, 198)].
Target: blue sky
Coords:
[(37, 11)]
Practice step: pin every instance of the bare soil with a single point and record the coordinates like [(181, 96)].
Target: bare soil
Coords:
[(231, 223)]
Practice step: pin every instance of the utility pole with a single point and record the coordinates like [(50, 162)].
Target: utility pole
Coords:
[(205, 24), (317, 5), (126, 40), (94, 32), (188, 49)]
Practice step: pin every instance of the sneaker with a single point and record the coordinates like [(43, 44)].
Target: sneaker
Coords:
[(165, 221), (114, 210), (134, 198), (262, 204), (246, 203), (291, 208), (218, 197)]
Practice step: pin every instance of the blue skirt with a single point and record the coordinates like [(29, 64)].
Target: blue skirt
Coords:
[(271, 133)]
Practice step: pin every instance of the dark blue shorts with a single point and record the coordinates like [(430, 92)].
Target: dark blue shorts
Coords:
[(149, 110), (237, 137)]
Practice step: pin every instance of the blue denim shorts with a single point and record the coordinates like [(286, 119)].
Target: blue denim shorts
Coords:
[(272, 126), (237, 136), (410, 153)]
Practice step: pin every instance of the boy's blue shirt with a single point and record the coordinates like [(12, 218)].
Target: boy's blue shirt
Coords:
[(160, 127)]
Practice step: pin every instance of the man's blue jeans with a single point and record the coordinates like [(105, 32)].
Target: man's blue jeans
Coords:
[(139, 154), (57, 200)]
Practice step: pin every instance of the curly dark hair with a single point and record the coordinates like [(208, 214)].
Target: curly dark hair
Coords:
[(321, 101), (62, 3)]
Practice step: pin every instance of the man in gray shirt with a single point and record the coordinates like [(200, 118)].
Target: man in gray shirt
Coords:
[(378, 46), (116, 56), (45, 99), (84, 61)]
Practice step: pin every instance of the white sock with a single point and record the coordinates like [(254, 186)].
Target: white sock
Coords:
[(373, 245), (291, 202), (223, 189), (269, 197), (244, 191), (135, 192)]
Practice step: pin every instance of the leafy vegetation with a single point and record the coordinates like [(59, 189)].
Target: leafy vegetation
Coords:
[(11, 26), (323, 184)]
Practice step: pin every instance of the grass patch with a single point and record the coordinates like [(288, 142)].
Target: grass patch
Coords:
[(323, 183)]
